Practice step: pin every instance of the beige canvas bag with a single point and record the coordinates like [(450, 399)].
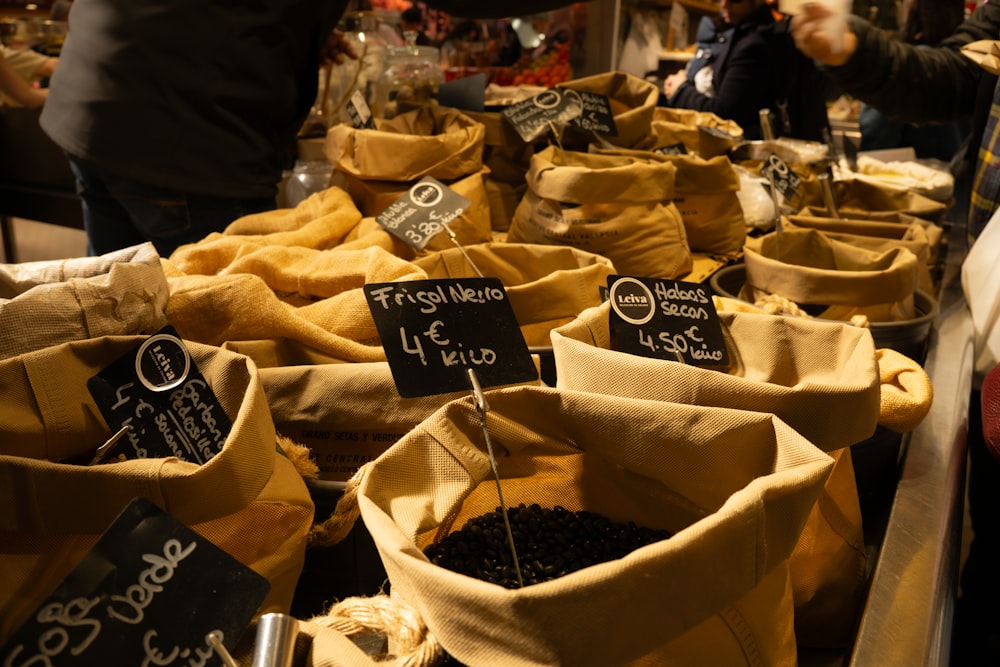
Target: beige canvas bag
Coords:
[(249, 499), (377, 166), (632, 101), (429, 141), (616, 206), (842, 280), (877, 237), (853, 193), (706, 194), (547, 285), (821, 378), (933, 231), (119, 293), (734, 486), (670, 127), (472, 225), (329, 409), (507, 157)]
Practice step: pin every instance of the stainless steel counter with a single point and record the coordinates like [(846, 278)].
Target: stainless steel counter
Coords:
[(907, 618)]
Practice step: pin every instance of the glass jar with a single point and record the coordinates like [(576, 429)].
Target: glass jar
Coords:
[(411, 78), (308, 177)]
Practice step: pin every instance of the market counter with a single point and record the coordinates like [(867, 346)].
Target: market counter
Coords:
[(908, 616)]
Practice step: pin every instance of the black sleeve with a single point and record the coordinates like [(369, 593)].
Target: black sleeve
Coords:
[(917, 84), (488, 10)]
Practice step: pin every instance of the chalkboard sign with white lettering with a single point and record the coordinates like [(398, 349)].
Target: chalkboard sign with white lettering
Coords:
[(148, 593), (596, 115), (535, 116), (433, 330), (169, 407), (666, 319), (423, 212), (777, 171)]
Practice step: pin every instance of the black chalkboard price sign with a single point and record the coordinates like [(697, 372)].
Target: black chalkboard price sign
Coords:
[(433, 330), (777, 171), (596, 115), (533, 117), (158, 391), (422, 213), (148, 593), (666, 319)]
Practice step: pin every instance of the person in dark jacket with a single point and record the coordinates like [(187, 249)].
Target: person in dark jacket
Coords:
[(923, 85), (742, 81), (747, 64), (712, 35), (908, 82), (923, 22), (179, 116)]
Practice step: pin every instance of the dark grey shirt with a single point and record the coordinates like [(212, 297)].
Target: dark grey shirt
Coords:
[(203, 96)]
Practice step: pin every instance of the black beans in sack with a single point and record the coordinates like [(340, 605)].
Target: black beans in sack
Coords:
[(550, 543)]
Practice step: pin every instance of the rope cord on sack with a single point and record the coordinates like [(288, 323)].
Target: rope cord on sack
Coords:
[(334, 529), (775, 304), (410, 642), (300, 456)]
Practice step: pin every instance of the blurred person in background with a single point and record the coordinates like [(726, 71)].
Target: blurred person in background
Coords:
[(20, 70), (746, 62), (925, 23), (179, 116), (412, 20)]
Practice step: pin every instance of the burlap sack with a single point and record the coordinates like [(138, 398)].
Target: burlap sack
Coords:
[(905, 392), (852, 193), (280, 300), (507, 156), (877, 237), (429, 141), (320, 221), (808, 192), (249, 499), (472, 225), (632, 101), (328, 408), (735, 487), (841, 280), (548, 286), (616, 206), (670, 127), (933, 231), (821, 378), (706, 194), (120, 293)]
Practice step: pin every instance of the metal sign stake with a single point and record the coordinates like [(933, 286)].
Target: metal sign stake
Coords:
[(454, 239), (482, 407)]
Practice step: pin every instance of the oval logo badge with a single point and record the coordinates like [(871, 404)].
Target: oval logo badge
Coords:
[(632, 300)]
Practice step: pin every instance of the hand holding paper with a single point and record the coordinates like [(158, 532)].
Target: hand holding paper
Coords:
[(820, 29)]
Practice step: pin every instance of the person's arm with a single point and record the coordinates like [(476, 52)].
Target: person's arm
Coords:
[(17, 89), (28, 64), (903, 81)]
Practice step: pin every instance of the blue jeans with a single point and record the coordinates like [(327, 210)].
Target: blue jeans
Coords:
[(119, 212)]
